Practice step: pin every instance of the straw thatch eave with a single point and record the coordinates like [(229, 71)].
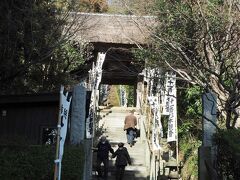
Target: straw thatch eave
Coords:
[(111, 28)]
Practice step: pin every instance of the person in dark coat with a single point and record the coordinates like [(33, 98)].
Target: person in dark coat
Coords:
[(121, 162), (103, 149)]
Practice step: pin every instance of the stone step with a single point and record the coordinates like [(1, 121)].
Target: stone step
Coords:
[(130, 172), (113, 125)]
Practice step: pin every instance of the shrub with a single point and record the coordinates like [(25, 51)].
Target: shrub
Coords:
[(37, 162), (228, 156)]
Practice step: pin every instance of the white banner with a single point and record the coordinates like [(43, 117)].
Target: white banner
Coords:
[(172, 107), (64, 121), (158, 121), (166, 97), (153, 102), (155, 139), (89, 123), (64, 111), (123, 96), (157, 130), (100, 60), (96, 78)]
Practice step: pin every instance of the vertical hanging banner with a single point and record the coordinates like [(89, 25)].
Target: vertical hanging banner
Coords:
[(166, 97), (155, 139), (123, 96), (89, 123), (157, 130), (171, 106), (96, 77), (99, 64), (154, 102), (64, 120), (158, 121), (65, 101)]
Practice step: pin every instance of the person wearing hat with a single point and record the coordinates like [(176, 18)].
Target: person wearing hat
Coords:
[(122, 160), (103, 149)]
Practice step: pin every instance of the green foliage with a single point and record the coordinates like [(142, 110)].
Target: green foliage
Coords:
[(189, 128), (72, 165), (49, 75), (193, 99), (72, 54), (175, 25), (201, 38), (175, 17), (146, 56), (36, 53), (130, 95), (190, 107), (190, 169), (188, 146), (185, 128), (228, 156), (37, 162)]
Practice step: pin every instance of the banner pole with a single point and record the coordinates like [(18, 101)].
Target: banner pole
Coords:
[(57, 161), (177, 148)]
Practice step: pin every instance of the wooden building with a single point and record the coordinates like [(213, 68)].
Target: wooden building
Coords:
[(117, 36), (33, 117)]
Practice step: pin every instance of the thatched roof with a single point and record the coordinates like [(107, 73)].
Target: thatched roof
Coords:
[(110, 28)]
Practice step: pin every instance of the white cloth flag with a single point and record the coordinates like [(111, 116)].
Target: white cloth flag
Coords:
[(89, 124), (155, 139), (64, 111), (100, 60), (157, 130), (96, 80), (64, 121), (172, 107), (158, 119), (166, 97)]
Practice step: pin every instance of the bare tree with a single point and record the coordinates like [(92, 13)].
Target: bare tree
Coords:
[(200, 40)]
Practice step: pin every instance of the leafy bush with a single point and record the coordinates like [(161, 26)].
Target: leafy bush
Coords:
[(228, 156), (37, 162), (189, 129), (130, 95), (189, 150)]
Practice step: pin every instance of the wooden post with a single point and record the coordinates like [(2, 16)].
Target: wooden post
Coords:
[(57, 162), (177, 148), (177, 157)]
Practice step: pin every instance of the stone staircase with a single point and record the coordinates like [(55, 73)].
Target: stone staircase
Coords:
[(112, 126)]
